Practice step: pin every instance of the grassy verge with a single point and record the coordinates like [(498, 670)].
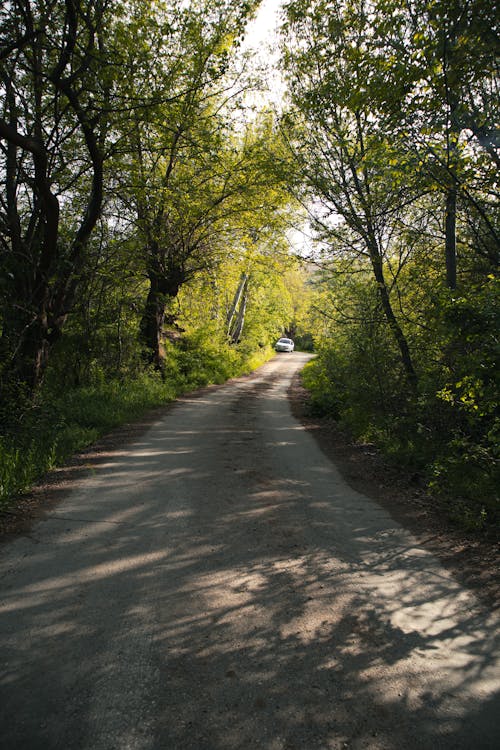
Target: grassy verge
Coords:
[(452, 455), (45, 436)]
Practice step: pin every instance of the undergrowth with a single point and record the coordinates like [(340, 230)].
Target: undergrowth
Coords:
[(37, 439), (455, 457)]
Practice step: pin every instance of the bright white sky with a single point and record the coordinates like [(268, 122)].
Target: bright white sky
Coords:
[(262, 44), (261, 29)]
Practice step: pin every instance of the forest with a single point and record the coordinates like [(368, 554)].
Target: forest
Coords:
[(151, 198)]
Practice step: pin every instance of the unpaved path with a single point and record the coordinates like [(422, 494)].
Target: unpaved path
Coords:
[(216, 585)]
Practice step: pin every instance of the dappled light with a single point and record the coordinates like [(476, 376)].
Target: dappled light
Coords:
[(191, 191), (224, 590)]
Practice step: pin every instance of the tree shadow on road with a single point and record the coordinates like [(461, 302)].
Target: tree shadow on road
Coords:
[(277, 612)]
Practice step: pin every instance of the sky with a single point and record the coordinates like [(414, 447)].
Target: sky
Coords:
[(261, 43), (260, 30)]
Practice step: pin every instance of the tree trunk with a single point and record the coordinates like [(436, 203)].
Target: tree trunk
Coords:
[(29, 328), (47, 85), (401, 341), (451, 30), (240, 321), (236, 302), (162, 288), (151, 326), (450, 238), (235, 327)]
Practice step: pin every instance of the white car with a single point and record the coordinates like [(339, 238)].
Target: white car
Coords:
[(284, 345)]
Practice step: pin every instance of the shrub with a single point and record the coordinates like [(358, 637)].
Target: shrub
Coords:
[(37, 437)]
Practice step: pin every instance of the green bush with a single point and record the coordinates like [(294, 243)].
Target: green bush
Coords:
[(448, 432), (38, 437), (325, 394)]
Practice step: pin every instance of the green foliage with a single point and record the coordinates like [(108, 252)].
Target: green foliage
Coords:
[(56, 82), (470, 465), (202, 358), (318, 378), (46, 435), (132, 203), (447, 434), (391, 127), (304, 342), (39, 438)]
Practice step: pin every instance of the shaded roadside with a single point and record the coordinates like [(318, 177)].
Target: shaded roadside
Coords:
[(216, 585), (32, 506), (474, 559)]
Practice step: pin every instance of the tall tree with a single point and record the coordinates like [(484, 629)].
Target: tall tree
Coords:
[(176, 176), (56, 82), (195, 178), (338, 144), (438, 94)]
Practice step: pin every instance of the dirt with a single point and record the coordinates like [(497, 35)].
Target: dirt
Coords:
[(214, 582), (33, 505), (473, 558)]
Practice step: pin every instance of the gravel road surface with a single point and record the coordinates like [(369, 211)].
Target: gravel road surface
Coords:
[(216, 585)]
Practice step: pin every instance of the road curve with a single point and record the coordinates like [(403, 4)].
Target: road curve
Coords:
[(216, 585)]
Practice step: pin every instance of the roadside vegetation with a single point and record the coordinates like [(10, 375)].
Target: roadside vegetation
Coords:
[(143, 245), (392, 125), (49, 430), (147, 208)]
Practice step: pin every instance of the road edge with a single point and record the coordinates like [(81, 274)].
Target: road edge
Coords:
[(473, 560)]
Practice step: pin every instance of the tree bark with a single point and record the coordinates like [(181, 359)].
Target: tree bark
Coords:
[(450, 238), (396, 329), (451, 32), (151, 325), (46, 272), (240, 320), (163, 287), (236, 301)]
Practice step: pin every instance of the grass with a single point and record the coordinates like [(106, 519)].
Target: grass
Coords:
[(47, 435)]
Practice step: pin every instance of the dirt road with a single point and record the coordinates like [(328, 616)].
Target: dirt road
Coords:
[(216, 585)]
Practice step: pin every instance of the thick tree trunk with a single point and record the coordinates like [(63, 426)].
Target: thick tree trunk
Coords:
[(152, 325), (163, 287), (48, 96)]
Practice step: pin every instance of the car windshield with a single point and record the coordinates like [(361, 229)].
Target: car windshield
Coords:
[(285, 341)]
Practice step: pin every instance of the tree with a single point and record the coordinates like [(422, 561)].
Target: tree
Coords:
[(392, 131), (179, 173), (56, 84), (438, 95), (337, 142)]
